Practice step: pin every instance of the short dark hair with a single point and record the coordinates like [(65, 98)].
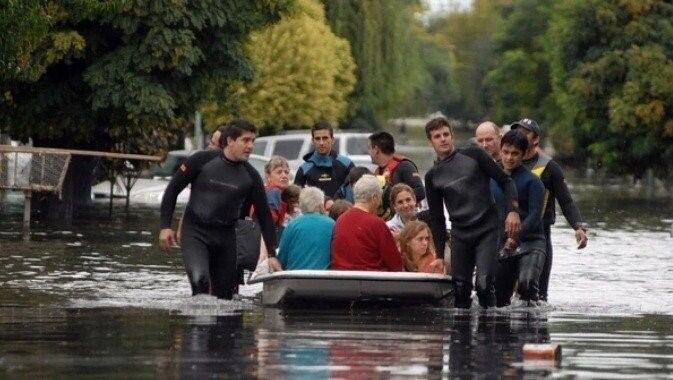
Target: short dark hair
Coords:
[(437, 123), (384, 141), (321, 125), (235, 129), (290, 193), (516, 139), (339, 207)]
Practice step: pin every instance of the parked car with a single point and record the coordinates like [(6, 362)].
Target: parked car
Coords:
[(294, 145), (152, 184)]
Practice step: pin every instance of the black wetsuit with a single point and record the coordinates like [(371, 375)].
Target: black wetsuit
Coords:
[(222, 192), (326, 172), (525, 269), (554, 182), (461, 181)]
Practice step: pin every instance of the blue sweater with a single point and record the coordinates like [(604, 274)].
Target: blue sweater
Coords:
[(530, 191), (305, 243)]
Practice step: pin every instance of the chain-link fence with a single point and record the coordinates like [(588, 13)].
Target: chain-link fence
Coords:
[(35, 171)]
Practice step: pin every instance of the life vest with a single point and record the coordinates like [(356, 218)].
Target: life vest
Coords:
[(389, 169)]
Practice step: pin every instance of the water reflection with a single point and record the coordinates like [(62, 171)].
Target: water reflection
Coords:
[(395, 343), (211, 346), (336, 343), (99, 299)]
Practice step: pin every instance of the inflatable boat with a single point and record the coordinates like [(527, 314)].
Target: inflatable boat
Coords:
[(347, 286)]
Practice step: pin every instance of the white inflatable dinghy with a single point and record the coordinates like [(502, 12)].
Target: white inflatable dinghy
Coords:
[(340, 286)]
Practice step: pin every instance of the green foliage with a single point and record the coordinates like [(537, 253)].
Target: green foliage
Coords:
[(519, 85), (611, 67), (437, 89), (122, 73), (303, 74), (470, 34), (386, 51), (35, 41)]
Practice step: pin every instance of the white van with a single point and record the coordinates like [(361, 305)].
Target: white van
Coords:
[(294, 145)]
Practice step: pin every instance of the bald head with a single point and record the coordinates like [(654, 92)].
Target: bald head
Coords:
[(488, 136)]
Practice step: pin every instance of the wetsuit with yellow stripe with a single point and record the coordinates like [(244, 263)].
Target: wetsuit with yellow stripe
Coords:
[(551, 175)]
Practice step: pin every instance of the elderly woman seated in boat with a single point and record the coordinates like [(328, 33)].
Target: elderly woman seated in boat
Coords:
[(361, 239), (305, 243), (418, 249)]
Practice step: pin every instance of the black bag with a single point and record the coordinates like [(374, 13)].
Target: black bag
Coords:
[(248, 235)]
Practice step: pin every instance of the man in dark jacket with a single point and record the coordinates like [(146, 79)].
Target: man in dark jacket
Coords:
[(393, 167), (522, 258), (323, 167)]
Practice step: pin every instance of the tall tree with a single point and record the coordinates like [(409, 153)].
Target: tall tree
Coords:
[(437, 89), (121, 73), (611, 67), (303, 74), (386, 52), (470, 34), (520, 85)]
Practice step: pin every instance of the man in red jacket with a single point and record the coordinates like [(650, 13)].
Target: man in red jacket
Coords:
[(361, 240)]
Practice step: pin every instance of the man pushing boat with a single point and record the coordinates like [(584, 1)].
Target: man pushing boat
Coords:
[(223, 187)]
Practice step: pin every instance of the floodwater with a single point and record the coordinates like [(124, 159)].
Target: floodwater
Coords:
[(100, 300)]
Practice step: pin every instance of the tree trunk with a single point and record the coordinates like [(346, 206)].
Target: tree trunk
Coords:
[(81, 176), (59, 212), (75, 193)]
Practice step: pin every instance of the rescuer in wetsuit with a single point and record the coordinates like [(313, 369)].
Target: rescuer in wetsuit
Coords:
[(522, 258), (554, 182), (460, 178), (223, 187), (323, 167), (394, 168)]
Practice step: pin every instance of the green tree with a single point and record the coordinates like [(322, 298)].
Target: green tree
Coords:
[(470, 34), (520, 85), (303, 73), (121, 74), (386, 52), (437, 89), (611, 67)]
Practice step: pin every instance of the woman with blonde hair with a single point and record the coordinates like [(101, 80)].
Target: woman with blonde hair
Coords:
[(418, 250)]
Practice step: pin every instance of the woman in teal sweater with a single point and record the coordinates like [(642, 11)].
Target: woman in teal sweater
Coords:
[(305, 243)]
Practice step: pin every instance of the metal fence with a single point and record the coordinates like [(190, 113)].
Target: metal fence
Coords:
[(23, 169)]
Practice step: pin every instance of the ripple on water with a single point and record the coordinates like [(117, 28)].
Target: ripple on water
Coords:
[(619, 271)]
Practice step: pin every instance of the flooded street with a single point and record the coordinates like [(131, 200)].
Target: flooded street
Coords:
[(100, 300)]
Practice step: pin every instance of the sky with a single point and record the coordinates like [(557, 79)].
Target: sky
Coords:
[(441, 6)]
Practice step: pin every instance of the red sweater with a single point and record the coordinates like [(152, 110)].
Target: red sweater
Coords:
[(362, 241)]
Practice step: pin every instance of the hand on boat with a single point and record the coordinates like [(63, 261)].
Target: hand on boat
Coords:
[(581, 237), (167, 239), (274, 265), (512, 224)]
